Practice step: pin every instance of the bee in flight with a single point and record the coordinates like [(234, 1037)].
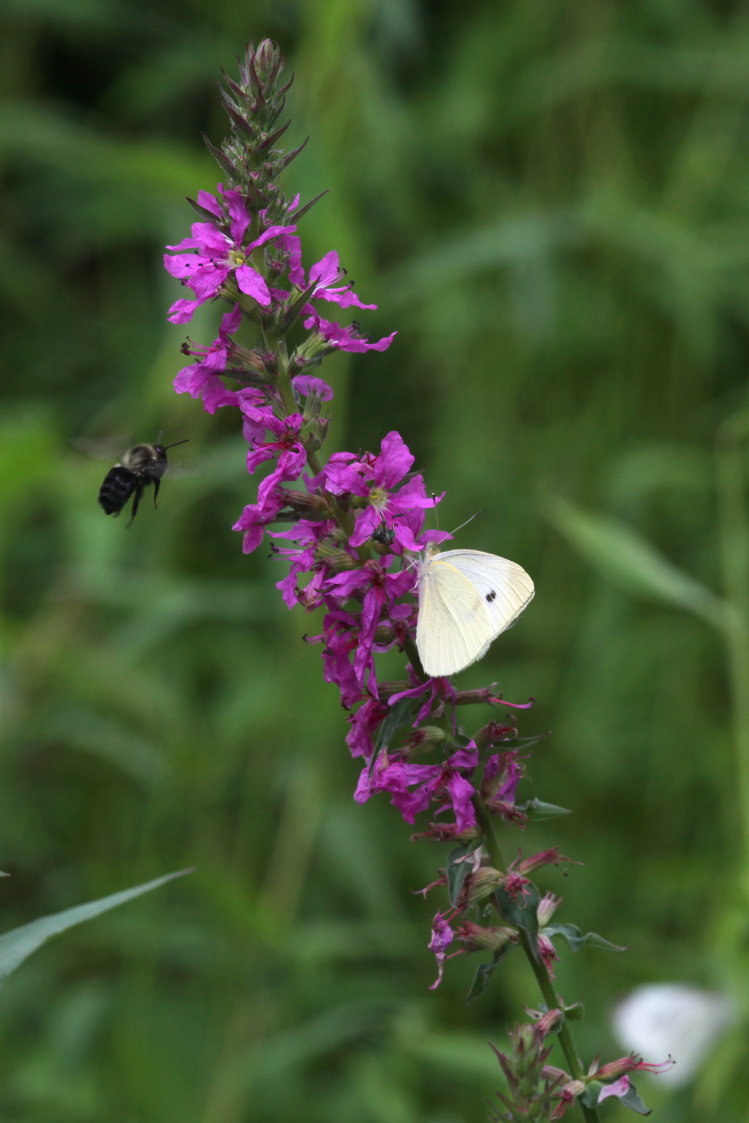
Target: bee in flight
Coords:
[(140, 466)]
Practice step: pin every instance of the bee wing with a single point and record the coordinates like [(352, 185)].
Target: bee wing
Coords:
[(101, 448), (114, 448), (179, 472)]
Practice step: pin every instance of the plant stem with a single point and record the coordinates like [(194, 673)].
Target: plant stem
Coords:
[(734, 541), (550, 997)]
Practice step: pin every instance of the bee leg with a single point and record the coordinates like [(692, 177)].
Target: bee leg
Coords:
[(156, 486), (137, 492)]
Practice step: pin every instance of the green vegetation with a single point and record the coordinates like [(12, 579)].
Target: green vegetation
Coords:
[(551, 204)]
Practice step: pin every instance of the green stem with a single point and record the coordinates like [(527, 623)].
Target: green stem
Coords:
[(541, 973), (553, 1002), (484, 820), (345, 520), (734, 542)]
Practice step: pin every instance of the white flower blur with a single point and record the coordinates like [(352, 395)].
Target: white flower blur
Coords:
[(674, 1019)]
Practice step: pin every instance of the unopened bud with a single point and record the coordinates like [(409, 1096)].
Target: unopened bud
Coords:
[(480, 884), (474, 936), (267, 61)]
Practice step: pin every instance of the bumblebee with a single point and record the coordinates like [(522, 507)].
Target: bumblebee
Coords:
[(140, 466)]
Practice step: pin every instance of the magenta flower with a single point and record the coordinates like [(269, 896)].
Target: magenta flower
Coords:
[(201, 379), (254, 519), (374, 478), (430, 782), (340, 338), (548, 953), (364, 724), (341, 640), (306, 384), (287, 449), (619, 1088), (307, 535), (376, 589), (435, 692), (324, 276), (442, 937), (217, 256)]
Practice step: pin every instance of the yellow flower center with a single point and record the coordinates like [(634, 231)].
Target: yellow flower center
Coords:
[(378, 498)]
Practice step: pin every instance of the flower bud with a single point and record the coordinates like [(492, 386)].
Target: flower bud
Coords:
[(337, 560), (547, 906), (266, 61), (425, 735), (531, 1088), (480, 885), (475, 936)]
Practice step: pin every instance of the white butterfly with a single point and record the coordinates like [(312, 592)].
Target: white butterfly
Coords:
[(466, 599)]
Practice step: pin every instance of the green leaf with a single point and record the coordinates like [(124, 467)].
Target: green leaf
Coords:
[(19, 943), (522, 912), (576, 939), (590, 1096), (631, 1100), (397, 716), (536, 810), (625, 557), (458, 869), (483, 971)]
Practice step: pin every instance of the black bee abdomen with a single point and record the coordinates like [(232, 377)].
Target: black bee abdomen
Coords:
[(119, 484)]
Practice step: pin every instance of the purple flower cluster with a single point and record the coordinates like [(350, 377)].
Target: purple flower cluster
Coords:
[(480, 883), (349, 527), (349, 531)]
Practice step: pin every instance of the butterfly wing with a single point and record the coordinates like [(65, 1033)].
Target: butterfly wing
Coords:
[(453, 628), (466, 599), (505, 588)]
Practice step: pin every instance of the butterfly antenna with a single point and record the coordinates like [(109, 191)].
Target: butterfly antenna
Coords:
[(175, 443), (468, 520)]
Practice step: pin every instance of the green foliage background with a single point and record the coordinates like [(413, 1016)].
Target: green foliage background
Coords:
[(550, 202)]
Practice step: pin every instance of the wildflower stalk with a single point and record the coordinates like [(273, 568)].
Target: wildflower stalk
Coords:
[(350, 526), (537, 966), (565, 1036), (491, 844)]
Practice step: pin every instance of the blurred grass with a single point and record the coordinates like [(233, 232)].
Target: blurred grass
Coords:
[(551, 204)]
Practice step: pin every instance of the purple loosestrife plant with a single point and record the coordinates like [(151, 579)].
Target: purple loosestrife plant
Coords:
[(346, 530)]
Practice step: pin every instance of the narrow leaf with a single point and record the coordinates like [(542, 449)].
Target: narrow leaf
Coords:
[(483, 971), (397, 716), (458, 870), (307, 206), (632, 1100), (621, 554), (522, 912), (536, 810), (575, 938), (19, 943)]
